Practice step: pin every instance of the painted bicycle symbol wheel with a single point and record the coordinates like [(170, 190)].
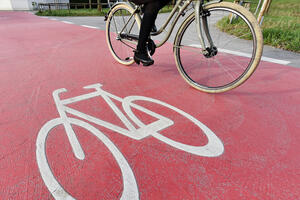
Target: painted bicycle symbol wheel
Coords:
[(130, 189)]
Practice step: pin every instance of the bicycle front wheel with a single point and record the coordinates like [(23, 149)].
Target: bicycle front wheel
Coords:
[(121, 22), (236, 35)]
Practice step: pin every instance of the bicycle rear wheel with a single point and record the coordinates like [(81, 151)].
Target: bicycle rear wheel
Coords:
[(130, 188), (120, 23), (239, 47)]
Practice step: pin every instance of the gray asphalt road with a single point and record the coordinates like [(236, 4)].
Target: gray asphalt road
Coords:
[(291, 58)]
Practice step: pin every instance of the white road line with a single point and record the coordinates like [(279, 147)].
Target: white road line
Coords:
[(247, 55), (94, 27), (67, 22), (283, 62)]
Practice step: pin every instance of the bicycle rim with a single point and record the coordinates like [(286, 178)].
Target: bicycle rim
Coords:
[(238, 38), (122, 49)]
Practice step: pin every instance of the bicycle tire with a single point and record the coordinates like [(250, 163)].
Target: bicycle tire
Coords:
[(130, 188), (122, 50), (203, 79)]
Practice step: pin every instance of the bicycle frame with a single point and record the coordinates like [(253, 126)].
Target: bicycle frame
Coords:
[(179, 10), (131, 131)]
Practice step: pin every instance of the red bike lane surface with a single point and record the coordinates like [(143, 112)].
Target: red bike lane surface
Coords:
[(257, 123)]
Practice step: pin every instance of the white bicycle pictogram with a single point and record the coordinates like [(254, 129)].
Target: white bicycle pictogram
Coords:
[(213, 148)]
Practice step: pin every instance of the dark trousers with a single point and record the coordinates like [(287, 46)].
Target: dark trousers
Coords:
[(151, 9)]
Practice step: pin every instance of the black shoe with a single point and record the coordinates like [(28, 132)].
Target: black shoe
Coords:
[(143, 57)]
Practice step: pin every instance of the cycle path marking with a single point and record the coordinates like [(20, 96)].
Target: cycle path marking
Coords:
[(213, 148)]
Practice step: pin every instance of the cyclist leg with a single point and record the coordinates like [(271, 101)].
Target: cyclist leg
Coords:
[(151, 9)]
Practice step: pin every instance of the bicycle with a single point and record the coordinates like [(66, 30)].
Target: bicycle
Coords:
[(212, 53), (213, 148)]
